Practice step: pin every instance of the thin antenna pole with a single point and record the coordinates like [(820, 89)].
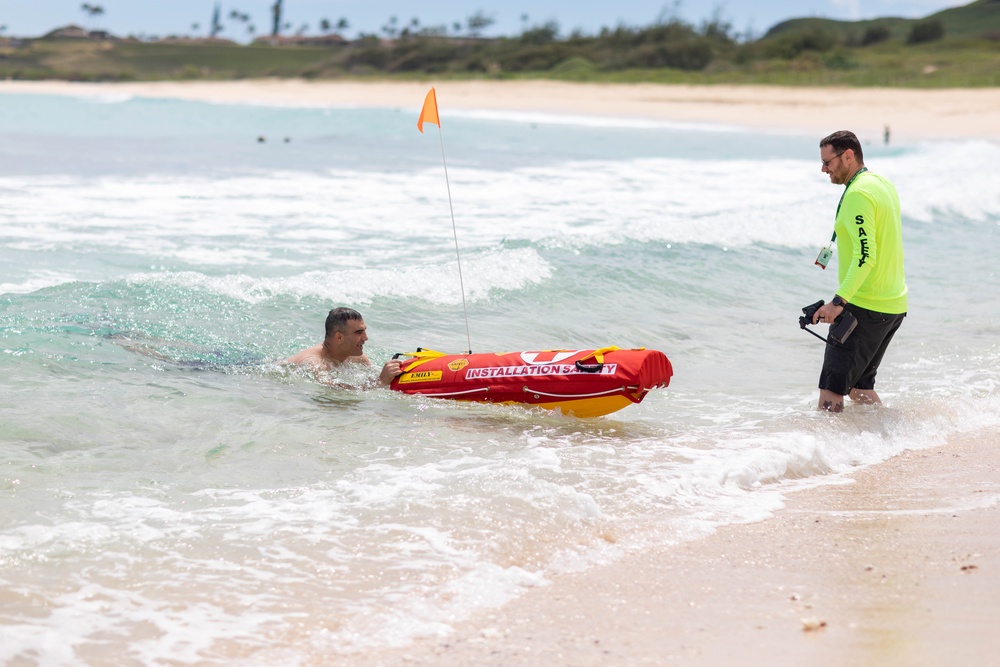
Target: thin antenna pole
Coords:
[(454, 229)]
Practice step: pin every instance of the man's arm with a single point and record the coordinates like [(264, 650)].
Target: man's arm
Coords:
[(860, 222)]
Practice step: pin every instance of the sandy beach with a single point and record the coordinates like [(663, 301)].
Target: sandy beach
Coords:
[(910, 114), (898, 565)]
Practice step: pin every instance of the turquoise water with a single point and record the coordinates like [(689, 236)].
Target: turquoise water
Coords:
[(169, 492)]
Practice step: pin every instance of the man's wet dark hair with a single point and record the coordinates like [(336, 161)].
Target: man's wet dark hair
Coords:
[(338, 318), (841, 140)]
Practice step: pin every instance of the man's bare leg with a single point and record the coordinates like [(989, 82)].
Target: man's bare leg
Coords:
[(830, 402), (866, 396)]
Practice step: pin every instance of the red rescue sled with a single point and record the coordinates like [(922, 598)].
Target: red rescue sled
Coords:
[(583, 383)]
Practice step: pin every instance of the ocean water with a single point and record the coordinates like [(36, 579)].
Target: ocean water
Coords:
[(170, 494)]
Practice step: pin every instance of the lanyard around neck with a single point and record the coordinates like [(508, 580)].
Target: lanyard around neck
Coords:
[(856, 174)]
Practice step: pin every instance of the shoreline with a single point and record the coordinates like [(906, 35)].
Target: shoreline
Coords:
[(898, 566), (911, 114)]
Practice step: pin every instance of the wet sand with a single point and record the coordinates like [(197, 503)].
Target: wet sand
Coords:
[(899, 567)]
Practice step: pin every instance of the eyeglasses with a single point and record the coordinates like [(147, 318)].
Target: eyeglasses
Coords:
[(826, 163)]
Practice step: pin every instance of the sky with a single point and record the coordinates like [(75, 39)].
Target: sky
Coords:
[(159, 18)]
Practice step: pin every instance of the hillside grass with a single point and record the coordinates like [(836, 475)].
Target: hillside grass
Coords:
[(816, 52), (976, 19)]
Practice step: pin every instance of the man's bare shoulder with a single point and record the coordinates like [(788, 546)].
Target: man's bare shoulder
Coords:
[(312, 356), (360, 359)]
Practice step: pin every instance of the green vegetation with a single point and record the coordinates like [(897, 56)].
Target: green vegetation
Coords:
[(955, 47), (926, 31), (977, 19), (133, 61)]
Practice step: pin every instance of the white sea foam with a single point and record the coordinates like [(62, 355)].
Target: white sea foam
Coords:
[(947, 180), (729, 203), (435, 283), (110, 98), (484, 586), (36, 281)]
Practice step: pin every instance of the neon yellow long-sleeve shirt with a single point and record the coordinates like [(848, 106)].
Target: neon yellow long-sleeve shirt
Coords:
[(870, 246)]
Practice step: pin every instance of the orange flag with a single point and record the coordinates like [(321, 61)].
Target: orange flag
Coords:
[(429, 114)]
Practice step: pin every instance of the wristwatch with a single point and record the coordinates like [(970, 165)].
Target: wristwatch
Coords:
[(837, 301)]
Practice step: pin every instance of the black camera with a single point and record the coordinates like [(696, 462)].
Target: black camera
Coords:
[(808, 312), (840, 330)]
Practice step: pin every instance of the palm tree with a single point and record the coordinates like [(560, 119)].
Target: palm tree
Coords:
[(325, 25), (390, 28), (479, 22), (91, 10), (342, 25), (276, 15), (237, 15), (216, 24)]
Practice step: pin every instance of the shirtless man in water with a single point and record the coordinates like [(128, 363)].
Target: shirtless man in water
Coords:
[(346, 334)]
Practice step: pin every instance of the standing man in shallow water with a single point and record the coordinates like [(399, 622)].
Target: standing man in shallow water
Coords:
[(344, 342), (872, 285)]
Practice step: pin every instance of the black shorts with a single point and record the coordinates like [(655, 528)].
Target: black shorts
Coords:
[(854, 364)]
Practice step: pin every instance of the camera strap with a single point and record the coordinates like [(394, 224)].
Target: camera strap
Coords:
[(844, 194)]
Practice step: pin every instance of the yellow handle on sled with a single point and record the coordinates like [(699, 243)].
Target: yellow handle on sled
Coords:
[(421, 356)]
